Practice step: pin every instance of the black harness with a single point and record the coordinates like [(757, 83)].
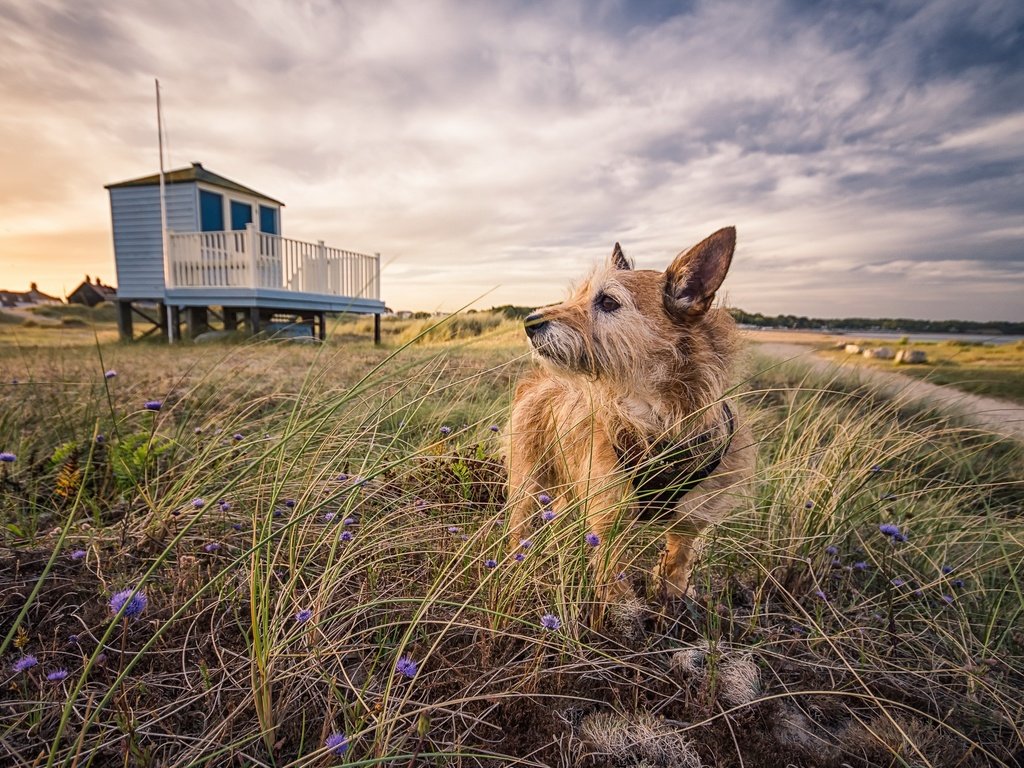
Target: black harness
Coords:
[(666, 471)]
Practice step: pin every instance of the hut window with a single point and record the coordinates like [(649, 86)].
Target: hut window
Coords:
[(241, 214), (268, 220), (211, 211)]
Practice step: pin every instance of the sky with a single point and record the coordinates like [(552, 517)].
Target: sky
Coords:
[(870, 154)]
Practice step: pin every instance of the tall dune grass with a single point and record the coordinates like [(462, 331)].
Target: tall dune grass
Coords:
[(319, 535)]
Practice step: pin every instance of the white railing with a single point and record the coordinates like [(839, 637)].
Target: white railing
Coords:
[(250, 259)]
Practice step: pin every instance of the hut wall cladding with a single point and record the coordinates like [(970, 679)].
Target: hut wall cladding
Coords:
[(135, 217)]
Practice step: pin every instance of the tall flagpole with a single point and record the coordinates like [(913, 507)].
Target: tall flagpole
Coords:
[(163, 210)]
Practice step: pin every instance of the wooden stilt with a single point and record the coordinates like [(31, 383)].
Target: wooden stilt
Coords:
[(124, 320)]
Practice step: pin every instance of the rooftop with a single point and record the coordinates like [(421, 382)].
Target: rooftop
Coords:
[(195, 172)]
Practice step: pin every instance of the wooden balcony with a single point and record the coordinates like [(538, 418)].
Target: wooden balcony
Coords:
[(248, 268)]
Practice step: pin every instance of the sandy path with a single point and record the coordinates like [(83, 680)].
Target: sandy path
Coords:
[(1000, 416)]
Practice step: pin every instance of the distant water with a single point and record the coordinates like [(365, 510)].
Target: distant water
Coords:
[(911, 337)]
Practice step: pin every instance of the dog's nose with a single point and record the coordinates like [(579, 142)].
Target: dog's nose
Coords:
[(534, 324)]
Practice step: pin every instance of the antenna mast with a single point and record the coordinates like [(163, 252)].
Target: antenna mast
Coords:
[(163, 207)]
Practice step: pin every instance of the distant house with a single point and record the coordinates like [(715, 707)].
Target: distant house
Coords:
[(226, 257), (30, 298), (92, 293)]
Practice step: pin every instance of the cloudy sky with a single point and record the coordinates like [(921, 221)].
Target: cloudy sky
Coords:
[(870, 154)]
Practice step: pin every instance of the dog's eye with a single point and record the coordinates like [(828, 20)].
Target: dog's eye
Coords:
[(606, 303)]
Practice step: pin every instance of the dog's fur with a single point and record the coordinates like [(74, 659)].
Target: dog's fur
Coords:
[(655, 367)]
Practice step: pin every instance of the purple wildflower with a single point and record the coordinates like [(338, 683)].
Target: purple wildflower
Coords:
[(289, 503), (494, 427), (525, 543), (453, 529), (876, 468), (898, 581), (349, 521), (551, 622), (346, 536), (77, 554), (212, 547), (902, 538), (490, 563), (57, 675), (407, 666), (808, 504), (947, 599), (198, 431), (832, 549), (446, 430), (198, 503), (592, 539), (547, 515), (25, 663), (544, 499), (237, 437), (337, 743), (133, 603), (888, 529), (111, 374), (861, 565), (303, 615), (225, 506), (328, 516), (820, 595), (72, 639), (7, 458), (153, 405), (341, 478), (947, 569), (958, 583), (237, 526), (519, 557)]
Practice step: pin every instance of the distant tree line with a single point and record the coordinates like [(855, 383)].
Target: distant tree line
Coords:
[(897, 324)]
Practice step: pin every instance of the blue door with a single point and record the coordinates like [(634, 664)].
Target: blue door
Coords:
[(241, 214), (268, 220), (211, 211)]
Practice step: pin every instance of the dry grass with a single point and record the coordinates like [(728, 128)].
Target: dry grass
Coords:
[(792, 653)]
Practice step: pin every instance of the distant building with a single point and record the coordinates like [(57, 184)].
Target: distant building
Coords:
[(226, 253), (30, 298), (92, 293)]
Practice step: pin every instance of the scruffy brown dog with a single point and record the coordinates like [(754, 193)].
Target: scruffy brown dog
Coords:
[(625, 416)]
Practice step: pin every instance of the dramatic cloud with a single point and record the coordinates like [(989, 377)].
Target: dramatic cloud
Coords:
[(871, 157)]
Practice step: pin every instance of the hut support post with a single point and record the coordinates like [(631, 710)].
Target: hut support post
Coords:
[(197, 321), (124, 320), (174, 331), (376, 329)]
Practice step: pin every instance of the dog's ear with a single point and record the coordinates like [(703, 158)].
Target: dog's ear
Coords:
[(692, 279), (618, 259)]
